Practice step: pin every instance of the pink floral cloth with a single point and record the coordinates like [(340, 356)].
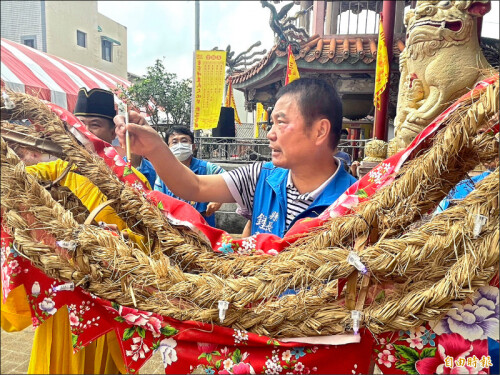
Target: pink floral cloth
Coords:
[(187, 345), (460, 336)]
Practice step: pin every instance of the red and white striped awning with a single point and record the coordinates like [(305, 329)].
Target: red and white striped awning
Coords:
[(49, 77)]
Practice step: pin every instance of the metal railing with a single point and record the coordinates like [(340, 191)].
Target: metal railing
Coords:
[(358, 17), (247, 130), (355, 148), (234, 150), (244, 130), (246, 150)]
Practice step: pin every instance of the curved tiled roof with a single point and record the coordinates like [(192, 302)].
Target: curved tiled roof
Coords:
[(339, 48)]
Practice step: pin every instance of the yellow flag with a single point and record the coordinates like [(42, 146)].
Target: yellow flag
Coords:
[(260, 117), (229, 102), (263, 122), (382, 73), (292, 72)]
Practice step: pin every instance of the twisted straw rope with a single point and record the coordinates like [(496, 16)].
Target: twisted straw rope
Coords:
[(134, 209), (483, 200), (87, 240), (453, 156), (136, 261)]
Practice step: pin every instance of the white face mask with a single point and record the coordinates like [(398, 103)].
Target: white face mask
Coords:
[(182, 151)]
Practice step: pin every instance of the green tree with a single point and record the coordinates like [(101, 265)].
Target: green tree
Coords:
[(160, 91)]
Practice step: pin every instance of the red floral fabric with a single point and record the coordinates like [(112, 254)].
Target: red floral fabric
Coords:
[(186, 345)]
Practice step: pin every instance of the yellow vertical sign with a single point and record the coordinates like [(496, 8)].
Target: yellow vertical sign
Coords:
[(208, 88)]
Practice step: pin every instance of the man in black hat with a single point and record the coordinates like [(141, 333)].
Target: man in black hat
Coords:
[(96, 109)]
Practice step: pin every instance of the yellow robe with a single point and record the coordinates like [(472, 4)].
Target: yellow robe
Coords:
[(52, 351)]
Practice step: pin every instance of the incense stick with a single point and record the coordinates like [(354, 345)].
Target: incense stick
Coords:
[(123, 111), (127, 138)]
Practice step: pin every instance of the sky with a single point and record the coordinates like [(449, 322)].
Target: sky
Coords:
[(165, 29), (158, 29)]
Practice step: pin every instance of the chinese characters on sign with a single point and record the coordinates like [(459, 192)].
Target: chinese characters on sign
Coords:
[(484, 362), (208, 88)]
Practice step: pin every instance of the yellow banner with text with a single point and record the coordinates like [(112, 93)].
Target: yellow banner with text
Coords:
[(208, 87)]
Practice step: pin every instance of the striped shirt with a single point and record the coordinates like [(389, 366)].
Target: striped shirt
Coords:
[(242, 182)]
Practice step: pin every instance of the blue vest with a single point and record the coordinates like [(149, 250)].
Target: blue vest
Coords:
[(198, 167), (147, 169), (270, 204), (460, 191)]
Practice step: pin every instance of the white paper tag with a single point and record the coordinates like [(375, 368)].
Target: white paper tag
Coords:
[(479, 222), (64, 287), (223, 306)]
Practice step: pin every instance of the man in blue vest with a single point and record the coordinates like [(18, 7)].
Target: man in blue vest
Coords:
[(180, 140), (302, 179)]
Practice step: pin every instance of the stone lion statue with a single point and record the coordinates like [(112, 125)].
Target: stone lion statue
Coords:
[(442, 61)]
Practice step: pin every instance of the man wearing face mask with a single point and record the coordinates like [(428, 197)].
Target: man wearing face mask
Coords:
[(180, 140)]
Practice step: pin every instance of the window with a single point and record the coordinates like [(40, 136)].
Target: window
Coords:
[(107, 50), (29, 40), (81, 38)]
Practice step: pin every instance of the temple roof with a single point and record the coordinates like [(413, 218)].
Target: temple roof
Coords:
[(335, 48)]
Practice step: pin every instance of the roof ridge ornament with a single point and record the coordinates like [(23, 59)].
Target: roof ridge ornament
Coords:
[(286, 33)]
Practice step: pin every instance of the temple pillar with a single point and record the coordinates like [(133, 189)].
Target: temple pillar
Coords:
[(331, 20), (319, 18), (335, 16), (356, 137), (304, 19), (328, 18), (399, 25)]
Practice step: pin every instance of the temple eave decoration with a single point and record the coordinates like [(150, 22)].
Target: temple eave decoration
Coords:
[(327, 50), (330, 57)]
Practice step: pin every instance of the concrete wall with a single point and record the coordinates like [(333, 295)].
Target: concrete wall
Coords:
[(228, 220), (64, 18), (118, 32), (22, 18)]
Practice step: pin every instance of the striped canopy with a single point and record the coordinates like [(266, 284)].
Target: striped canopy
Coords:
[(49, 77)]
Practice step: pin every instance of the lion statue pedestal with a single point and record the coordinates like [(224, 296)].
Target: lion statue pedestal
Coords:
[(375, 152)]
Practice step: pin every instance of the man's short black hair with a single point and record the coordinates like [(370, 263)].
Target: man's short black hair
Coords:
[(179, 129), (316, 100)]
